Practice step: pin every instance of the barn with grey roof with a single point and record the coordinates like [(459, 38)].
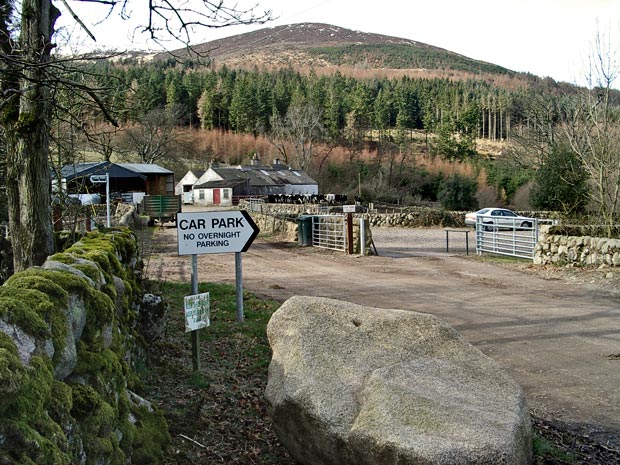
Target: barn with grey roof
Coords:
[(225, 184)]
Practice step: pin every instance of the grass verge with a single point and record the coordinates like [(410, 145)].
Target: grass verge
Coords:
[(218, 415)]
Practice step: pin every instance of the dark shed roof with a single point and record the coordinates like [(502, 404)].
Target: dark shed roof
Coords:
[(145, 168), (219, 184), (81, 170)]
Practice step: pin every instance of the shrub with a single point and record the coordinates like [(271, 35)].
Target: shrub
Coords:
[(561, 183), (458, 193)]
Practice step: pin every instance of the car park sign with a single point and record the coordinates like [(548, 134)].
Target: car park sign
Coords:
[(215, 232)]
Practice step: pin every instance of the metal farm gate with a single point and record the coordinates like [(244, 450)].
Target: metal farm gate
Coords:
[(516, 238), (329, 232), (255, 205)]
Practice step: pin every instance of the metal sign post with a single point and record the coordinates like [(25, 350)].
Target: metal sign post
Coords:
[(215, 232), (239, 287), (107, 198), (100, 179), (195, 334)]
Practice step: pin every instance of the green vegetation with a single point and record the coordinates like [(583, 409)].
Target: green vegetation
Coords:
[(244, 101), (546, 450), (399, 138), (222, 407), (561, 184), (403, 56), (458, 193), (68, 418)]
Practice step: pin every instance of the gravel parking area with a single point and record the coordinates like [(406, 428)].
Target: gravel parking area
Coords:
[(555, 329), (423, 242)]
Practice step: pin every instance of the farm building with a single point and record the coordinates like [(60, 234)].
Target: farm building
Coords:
[(131, 181), (185, 185), (223, 185)]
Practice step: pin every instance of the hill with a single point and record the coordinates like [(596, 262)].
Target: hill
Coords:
[(327, 47)]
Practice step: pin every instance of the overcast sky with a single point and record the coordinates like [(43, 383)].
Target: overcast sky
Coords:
[(543, 37)]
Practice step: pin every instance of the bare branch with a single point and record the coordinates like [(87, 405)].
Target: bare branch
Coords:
[(78, 20)]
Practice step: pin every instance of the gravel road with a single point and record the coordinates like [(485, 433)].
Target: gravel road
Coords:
[(559, 337)]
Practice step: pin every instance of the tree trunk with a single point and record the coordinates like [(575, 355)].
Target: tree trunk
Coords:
[(27, 128)]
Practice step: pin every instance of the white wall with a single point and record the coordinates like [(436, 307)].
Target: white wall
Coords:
[(207, 200), (188, 180)]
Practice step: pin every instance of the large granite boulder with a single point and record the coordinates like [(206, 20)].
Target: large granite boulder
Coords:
[(356, 385)]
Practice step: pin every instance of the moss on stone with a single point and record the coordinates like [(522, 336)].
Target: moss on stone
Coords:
[(98, 420), (89, 270), (126, 429), (60, 402), (100, 313), (12, 372), (101, 250), (85, 400), (104, 363), (26, 308), (40, 412), (34, 390), (53, 299), (49, 302), (25, 445), (40, 280), (151, 437)]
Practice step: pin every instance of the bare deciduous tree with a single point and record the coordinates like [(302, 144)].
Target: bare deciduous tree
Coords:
[(153, 138), (592, 127), (532, 142), (301, 129), (28, 77)]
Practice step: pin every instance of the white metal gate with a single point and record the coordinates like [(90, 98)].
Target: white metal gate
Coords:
[(255, 205), (515, 237), (329, 232)]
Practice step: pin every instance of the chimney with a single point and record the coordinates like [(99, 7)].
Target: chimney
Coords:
[(255, 160), (277, 161)]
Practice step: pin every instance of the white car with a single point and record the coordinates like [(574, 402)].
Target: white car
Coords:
[(499, 217)]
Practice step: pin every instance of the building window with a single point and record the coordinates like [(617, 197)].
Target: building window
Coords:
[(226, 194), (201, 194)]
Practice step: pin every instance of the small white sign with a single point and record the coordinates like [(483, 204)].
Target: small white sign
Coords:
[(215, 232), (98, 178), (197, 312), (348, 209)]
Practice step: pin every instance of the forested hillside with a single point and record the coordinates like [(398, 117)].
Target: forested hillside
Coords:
[(390, 136)]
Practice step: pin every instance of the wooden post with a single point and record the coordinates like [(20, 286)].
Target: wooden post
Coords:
[(350, 233)]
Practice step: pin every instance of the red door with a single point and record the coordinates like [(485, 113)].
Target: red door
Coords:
[(216, 196)]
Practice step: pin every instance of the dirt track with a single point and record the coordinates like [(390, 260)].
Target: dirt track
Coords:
[(560, 340)]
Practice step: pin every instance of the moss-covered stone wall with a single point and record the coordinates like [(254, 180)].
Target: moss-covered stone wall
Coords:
[(69, 346)]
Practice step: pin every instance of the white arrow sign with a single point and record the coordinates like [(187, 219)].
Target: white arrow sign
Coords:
[(215, 232)]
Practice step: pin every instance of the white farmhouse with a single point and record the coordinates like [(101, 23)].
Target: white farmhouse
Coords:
[(224, 185)]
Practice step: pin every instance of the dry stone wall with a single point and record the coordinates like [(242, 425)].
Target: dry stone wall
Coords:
[(276, 225), (556, 245), (405, 217), (417, 219), (69, 344)]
